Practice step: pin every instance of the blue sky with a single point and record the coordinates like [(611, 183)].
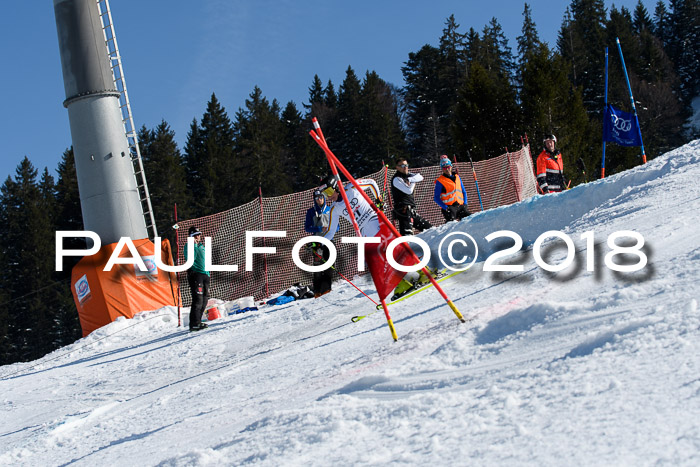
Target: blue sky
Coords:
[(176, 53)]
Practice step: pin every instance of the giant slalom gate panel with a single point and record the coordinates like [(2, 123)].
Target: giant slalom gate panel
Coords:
[(502, 180)]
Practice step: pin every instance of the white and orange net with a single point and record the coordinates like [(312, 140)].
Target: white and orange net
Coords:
[(502, 180)]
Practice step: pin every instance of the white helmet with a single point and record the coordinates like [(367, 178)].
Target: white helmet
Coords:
[(550, 137)]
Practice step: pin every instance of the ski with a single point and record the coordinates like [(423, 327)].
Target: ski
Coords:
[(412, 292)]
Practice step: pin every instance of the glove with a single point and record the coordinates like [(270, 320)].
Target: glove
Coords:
[(380, 204)]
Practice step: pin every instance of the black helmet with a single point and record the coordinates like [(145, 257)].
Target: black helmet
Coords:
[(318, 194), (194, 231), (550, 137), (328, 185)]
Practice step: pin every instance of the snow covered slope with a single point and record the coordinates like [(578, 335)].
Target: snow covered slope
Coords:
[(576, 367)]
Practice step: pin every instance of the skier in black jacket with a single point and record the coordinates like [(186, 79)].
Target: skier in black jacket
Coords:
[(403, 184)]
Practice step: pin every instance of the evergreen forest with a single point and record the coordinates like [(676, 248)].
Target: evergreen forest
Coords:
[(470, 91)]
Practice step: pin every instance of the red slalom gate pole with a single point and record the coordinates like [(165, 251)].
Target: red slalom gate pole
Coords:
[(177, 259), (382, 216), (334, 170), (317, 135)]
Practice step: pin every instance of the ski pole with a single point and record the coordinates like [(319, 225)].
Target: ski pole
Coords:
[(386, 174), (355, 319), (341, 275), (476, 182)]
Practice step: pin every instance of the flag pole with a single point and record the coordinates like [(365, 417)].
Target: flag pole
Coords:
[(334, 170), (317, 135), (605, 114), (634, 107), (476, 182)]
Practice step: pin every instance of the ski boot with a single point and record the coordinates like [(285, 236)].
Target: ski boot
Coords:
[(423, 278), (402, 289)]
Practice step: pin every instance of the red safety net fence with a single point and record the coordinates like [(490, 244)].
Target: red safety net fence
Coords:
[(502, 180)]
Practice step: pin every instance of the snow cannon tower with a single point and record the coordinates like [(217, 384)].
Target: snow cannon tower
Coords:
[(113, 193)]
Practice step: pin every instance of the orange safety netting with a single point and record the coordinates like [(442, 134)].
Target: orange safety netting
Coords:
[(502, 180)]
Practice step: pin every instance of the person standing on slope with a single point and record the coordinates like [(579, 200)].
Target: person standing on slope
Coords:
[(403, 184), (318, 222), (198, 279), (550, 167), (450, 194)]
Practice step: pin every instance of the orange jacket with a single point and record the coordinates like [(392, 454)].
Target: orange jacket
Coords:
[(550, 171)]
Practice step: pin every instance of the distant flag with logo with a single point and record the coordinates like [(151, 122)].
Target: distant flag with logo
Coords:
[(620, 127)]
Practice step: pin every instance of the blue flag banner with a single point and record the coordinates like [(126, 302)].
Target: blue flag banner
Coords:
[(620, 127)]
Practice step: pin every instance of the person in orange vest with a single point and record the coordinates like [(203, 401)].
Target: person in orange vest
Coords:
[(550, 167), (450, 194)]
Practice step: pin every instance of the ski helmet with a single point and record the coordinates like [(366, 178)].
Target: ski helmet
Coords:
[(550, 137), (329, 185), (318, 194), (194, 231), (445, 162)]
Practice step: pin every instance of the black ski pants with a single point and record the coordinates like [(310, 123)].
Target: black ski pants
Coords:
[(456, 212), (199, 288), (408, 218)]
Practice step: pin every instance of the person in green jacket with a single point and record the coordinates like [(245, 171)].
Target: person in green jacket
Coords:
[(198, 278)]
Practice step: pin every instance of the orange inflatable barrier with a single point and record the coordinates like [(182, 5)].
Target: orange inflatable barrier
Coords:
[(101, 297)]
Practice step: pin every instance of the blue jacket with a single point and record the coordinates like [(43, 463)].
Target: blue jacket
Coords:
[(313, 216)]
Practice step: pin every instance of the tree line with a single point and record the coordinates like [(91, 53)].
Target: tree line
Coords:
[(469, 92)]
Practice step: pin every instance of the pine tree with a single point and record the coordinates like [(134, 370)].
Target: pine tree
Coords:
[(6, 350), (199, 172), (212, 172), (347, 143), (551, 104), (494, 53), (485, 115), (472, 45), (28, 245), (259, 150), (380, 129), (684, 46), (425, 112), (529, 41), (451, 76), (315, 93), (528, 45), (294, 146), (330, 98), (581, 42), (662, 24), (312, 162), (165, 172), (642, 20), (620, 27), (487, 119), (69, 217)]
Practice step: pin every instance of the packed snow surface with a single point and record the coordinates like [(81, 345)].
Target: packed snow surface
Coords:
[(576, 367)]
